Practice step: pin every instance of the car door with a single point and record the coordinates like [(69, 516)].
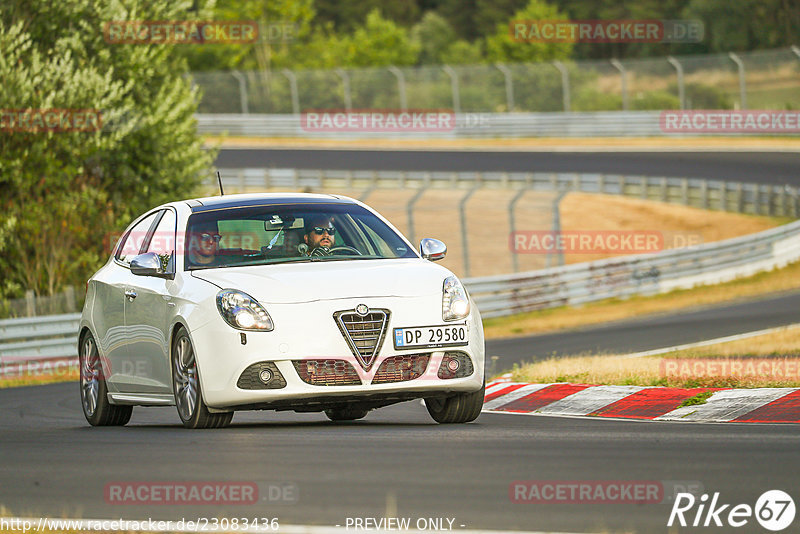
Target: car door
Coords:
[(108, 314), (148, 315)]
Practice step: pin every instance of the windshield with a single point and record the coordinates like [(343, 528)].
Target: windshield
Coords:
[(288, 233)]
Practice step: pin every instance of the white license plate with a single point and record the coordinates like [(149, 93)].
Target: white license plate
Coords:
[(446, 335)]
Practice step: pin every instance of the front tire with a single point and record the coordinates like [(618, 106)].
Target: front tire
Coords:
[(186, 386), (460, 408), (94, 392)]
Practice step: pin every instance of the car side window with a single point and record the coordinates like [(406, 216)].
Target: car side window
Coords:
[(163, 239), (133, 240)]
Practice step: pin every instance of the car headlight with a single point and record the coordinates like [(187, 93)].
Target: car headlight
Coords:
[(242, 311), (455, 302)]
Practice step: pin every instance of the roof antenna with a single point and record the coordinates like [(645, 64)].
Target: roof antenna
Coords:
[(219, 179)]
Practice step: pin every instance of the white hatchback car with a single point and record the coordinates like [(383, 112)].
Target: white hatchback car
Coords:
[(279, 302)]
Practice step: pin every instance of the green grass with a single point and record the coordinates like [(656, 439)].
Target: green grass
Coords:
[(698, 399)]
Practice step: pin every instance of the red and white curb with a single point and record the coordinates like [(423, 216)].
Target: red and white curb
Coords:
[(761, 405)]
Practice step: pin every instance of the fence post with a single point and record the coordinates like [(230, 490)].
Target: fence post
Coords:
[(742, 85), (69, 297), (463, 220), (685, 191), (410, 210), (704, 194), (644, 187), (509, 85), (348, 102), (739, 198), (242, 91), (512, 206), (557, 229), (624, 75), (565, 91), (293, 88), (681, 90), (401, 86), (30, 303), (454, 86)]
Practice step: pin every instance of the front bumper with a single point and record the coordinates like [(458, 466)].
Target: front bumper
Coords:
[(308, 331)]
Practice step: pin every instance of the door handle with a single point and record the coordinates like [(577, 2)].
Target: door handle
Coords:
[(130, 293)]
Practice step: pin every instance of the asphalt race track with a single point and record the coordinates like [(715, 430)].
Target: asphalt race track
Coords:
[(397, 462), (758, 167), (54, 464), (652, 332)]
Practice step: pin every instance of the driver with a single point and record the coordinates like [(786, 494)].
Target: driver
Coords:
[(319, 234)]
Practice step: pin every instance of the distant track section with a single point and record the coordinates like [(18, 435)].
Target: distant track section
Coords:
[(758, 167)]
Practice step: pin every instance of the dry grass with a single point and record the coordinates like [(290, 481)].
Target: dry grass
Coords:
[(620, 370), (39, 379), (680, 225)]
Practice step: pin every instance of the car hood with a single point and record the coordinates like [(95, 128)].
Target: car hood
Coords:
[(315, 281)]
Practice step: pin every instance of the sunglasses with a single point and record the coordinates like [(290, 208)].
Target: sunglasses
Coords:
[(207, 239), (319, 230)]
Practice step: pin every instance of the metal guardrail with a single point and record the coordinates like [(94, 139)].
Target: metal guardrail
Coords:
[(47, 337), (503, 295), (580, 283), (467, 125), (39, 337), (497, 296), (757, 199)]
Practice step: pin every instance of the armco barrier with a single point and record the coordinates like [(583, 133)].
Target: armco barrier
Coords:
[(52, 336), (475, 125), (758, 199), (486, 125), (579, 283)]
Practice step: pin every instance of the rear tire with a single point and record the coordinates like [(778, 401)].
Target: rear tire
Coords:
[(350, 413), (186, 386), (460, 408), (94, 392)]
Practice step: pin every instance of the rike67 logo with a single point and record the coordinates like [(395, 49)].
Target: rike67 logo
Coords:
[(774, 510)]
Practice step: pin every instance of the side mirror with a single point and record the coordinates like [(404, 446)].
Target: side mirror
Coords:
[(148, 264), (432, 249)]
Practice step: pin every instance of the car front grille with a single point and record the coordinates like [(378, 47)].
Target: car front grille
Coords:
[(326, 372), (364, 333), (401, 368)]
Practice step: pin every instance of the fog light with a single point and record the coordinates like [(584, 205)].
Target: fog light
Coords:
[(265, 375), (453, 365)]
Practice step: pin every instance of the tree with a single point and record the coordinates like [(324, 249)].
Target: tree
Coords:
[(380, 42), (502, 47), (434, 35), (64, 193), (747, 24)]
